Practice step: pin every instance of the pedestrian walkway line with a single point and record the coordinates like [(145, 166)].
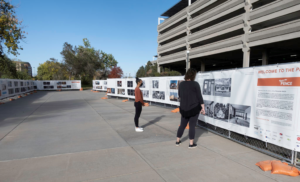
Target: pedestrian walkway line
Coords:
[(24, 119)]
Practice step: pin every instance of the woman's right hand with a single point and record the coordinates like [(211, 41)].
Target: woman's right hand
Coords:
[(202, 110)]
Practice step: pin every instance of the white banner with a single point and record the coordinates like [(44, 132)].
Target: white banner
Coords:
[(100, 85), (262, 103), (58, 84), (12, 87)]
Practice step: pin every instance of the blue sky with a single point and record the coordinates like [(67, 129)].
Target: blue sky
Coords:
[(126, 29)]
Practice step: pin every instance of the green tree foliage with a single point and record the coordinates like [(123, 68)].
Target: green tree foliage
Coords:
[(150, 70), (85, 62), (10, 29), (7, 68), (52, 70)]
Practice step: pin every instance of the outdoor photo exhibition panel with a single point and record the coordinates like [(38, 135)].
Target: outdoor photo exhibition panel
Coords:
[(100, 85), (12, 87), (58, 84), (261, 102)]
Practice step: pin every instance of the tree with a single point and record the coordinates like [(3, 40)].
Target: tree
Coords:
[(150, 70), (10, 29), (7, 68), (52, 70), (116, 72)]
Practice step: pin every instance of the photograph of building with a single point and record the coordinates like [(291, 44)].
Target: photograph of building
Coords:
[(240, 115), (208, 87), (174, 96), (209, 108), (223, 87), (221, 111), (224, 34)]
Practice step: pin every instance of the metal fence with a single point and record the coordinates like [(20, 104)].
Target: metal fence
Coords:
[(281, 153)]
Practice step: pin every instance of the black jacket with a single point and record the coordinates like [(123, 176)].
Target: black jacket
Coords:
[(190, 98)]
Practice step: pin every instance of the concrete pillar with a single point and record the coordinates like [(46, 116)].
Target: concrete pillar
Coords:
[(247, 30), (158, 68), (246, 58), (202, 66), (188, 63), (265, 58)]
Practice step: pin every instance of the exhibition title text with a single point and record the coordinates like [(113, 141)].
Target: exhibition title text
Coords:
[(280, 70)]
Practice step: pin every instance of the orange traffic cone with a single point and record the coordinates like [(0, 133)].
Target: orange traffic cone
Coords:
[(19, 96), (81, 89)]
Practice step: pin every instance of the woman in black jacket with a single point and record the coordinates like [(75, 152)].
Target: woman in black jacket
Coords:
[(191, 104)]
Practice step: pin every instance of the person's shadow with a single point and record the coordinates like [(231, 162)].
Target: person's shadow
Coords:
[(153, 121), (198, 132)]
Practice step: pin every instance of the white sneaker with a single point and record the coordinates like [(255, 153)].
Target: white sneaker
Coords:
[(139, 130)]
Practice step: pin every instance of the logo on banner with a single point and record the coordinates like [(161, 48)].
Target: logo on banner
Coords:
[(284, 82), (281, 134), (298, 138)]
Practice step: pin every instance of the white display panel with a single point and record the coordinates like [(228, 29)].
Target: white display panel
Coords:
[(100, 85), (58, 84), (13, 87), (262, 103)]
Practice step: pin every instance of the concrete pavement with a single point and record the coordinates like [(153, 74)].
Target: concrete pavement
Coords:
[(74, 136)]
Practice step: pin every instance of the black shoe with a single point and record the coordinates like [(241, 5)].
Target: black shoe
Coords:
[(193, 146), (178, 143)]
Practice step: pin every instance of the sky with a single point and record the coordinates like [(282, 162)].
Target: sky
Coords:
[(125, 28)]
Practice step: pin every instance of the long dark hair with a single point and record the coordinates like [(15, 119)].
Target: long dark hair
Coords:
[(190, 74), (137, 80)]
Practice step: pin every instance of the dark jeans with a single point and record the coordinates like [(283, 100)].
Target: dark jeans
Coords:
[(192, 123), (138, 110)]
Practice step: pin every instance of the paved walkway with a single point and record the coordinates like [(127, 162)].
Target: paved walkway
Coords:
[(75, 136)]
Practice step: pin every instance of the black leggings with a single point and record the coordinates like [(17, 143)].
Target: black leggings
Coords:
[(138, 110), (192, 124)]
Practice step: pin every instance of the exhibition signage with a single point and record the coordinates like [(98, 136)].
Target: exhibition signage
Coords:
[(100, 85), (261, 102), (12, 87), (58, 84)]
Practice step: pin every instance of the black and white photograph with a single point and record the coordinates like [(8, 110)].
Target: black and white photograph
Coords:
[(221, 111), (16, 84), (10, 91), (23, 89), (119, 83), (129, 83), (130, 92), (58, 83), (17, 90), (173, 84), (46, 83), (208, 87), (21, 84), (105, 87), (145, 93), (3, 86), (121, 91), (239, 115), (105, 82), (209, 108), (158, 95), (97, 83), (155, 84), (143, 85), (174, 96), (223, 87), (9, 84), (69, 86)]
